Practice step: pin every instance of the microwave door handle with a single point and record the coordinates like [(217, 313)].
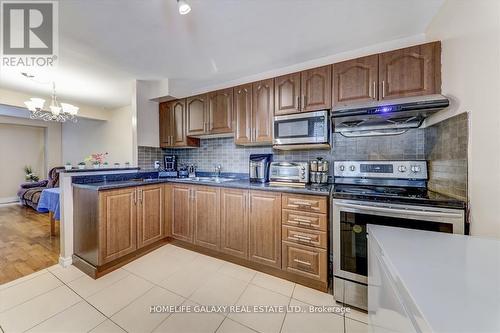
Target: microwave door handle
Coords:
[(402, 211)]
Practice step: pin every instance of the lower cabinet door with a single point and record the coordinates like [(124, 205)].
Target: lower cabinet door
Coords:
[(118, 224), (305, 260), (265, 228), (234, 222), (181, 213), (206, 215), (150, 214)]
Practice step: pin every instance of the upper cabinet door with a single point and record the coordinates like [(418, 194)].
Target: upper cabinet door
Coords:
[(262, 112), (243, 114), (178, 109), (196, 115), (220, 110), (287, 94), (355, 80), (165, 125), (316, 88), (412, 71)]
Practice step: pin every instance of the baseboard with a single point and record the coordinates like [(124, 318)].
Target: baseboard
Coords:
[(65, 262), (9, 200)]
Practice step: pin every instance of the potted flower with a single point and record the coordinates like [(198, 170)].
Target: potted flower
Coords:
[(30, 176), (96, 159), (68, 166), (105, 165), (81, 165)]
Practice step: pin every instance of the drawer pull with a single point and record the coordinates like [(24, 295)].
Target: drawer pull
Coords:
[(298, 219), (298, 261), (303, 203), (300, 237)]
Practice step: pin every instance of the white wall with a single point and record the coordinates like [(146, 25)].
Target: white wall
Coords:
[(28, 150), (146, 111), (113, 136), (470, 35)]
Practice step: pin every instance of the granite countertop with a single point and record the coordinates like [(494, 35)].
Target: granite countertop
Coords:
[(237, 183), (76, 170), (452, 280)]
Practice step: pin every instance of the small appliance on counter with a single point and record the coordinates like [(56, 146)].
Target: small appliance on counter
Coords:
[(259, 167), (170, 167), (289, 173), (183, 171), (318, 171)]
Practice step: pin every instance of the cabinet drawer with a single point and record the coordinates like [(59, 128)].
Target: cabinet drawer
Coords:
[(306, 203), (304, 260), (304, 220), (304, 236)]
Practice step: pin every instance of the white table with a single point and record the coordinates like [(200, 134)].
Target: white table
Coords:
[(424, 281)]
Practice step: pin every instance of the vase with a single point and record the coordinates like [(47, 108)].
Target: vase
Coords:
[(68, 167), (81, 166)]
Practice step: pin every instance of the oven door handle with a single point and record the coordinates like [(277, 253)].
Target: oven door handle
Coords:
[(404, 211)]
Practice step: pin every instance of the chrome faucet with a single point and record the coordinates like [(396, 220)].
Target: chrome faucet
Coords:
[(218, 168)]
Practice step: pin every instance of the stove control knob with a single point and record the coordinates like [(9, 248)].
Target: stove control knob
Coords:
[(415, 168), (342, 168), (352, 168), (402, 168)]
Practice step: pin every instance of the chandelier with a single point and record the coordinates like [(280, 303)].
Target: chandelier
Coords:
[(60, 112)]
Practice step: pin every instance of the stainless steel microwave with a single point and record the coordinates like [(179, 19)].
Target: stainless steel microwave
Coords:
[(302, 128)]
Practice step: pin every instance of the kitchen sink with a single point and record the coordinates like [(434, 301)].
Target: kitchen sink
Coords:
[(207, 179)]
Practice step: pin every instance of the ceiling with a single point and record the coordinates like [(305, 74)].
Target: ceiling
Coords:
[(106, 44)]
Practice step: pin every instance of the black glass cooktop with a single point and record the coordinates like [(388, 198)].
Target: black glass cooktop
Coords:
[(419, 196)]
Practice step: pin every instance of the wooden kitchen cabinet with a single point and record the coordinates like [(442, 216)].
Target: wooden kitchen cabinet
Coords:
[(412, 71), (265, 228), (196, 115), (309, 90), (150, 217), (220, 111), (253, 109), (182, 228), (234, 222), (355, 81), (287, 94), (172, 119), (262, 111), (243, 114), (117, 224), (166, 125), (206, 216), (316, 89)]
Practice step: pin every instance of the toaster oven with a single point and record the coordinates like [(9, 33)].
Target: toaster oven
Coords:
[(289, 172)]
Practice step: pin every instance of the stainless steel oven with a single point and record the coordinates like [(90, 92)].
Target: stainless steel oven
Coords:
[(349, 238), (302, 128)]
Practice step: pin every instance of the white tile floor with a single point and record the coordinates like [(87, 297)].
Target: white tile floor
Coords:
[(66, 300)]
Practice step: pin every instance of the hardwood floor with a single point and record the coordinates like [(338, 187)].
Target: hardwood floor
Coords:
[(26, 245)]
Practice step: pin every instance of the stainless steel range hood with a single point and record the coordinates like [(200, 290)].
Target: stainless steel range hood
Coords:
[(388, 117)]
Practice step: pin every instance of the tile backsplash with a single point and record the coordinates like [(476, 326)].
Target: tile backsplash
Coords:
[(444, 145)]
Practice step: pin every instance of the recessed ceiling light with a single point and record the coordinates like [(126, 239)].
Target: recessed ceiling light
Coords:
[(183, 6)]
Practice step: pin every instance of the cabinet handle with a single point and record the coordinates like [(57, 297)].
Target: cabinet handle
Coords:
[(300, 237), (255, 134), (298, 261), (383, 88), (135, 196), (140, 195), (303, 102), (298, 102), (374, 90), (302, 203)]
